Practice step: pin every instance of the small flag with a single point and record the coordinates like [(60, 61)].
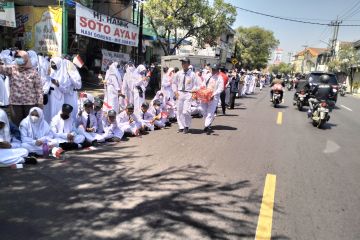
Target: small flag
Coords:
[(78, 61)]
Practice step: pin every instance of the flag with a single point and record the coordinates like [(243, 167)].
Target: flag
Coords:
[(78, 61)]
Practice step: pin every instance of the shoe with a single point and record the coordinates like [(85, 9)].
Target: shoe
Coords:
[(180, 130), (186, 130), (30, 160), (206, 129), (168, 124), (209, 130), (86, 144)]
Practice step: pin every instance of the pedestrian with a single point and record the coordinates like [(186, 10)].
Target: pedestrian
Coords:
[(184, 85), (25, 86), (234, 88), (127, 87), (216, 85), (141, 80), (225, 78), (113, 86), (166, 84)]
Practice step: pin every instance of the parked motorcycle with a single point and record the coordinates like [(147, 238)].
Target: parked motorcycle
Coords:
[(320, 114)]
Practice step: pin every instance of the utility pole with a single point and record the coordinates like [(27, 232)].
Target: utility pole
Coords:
[(140, 46), (336, 25)]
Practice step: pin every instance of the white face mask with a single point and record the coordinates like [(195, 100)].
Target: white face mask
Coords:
[(34, 119)]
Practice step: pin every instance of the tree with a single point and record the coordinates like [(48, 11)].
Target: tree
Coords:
[(348, 59), (254, 46), (284, 68), (196, 18)]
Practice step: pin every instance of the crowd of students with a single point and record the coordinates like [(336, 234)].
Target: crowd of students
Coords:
[(48, 115)]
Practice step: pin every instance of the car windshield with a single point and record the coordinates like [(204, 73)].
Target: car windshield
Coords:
[(315, 78)]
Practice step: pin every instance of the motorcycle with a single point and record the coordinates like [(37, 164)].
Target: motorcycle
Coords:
[(342, 90), (320, 114), (302, 100), (276, 99), (289, 86)]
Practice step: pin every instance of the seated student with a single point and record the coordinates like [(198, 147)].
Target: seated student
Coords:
[(11, 153), (98, 112), (35, 132), (128, 122), (63, 128), (159, 120), (167, 105), (146, 118), (87, 124), (113, 133)]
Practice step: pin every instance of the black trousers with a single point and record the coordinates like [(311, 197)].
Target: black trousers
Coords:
[(232, 100), (222, 99)]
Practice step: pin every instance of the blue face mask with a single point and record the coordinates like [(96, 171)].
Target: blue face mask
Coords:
[(20, 61)]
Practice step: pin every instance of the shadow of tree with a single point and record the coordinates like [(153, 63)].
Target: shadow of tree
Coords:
[(88, 197)]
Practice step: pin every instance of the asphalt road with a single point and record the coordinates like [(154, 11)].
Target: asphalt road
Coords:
[(167, 185)]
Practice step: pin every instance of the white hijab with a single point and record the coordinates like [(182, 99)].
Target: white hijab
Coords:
[(36, 130), (33, 58), (5, 132), (73, 73), (113, 70), (60, 74)]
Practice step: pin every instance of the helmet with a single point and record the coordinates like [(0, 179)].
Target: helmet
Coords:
[(324, 78), (278, 76)]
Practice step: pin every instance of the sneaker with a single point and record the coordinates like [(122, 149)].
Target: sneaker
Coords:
[(30, 160), (186, 130), (206, 129), (209, 130), (180, 130)]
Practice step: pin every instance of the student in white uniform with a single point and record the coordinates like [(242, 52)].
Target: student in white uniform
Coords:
[(216, 84), (35, 132), (74, 84), (146, 118), (63, 128), (156, 110), (87, 124), (140, 83), (184, 85), (10, 154), (99, 114), (113, 82), (128, 121), (112, 132), (127, 87)]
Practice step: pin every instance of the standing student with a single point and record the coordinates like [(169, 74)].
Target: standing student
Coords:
[(234, 88), (113, 84), (141, 80), (184, 85)]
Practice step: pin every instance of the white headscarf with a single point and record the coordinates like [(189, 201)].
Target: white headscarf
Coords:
[(140, 69), (44, 73), (33, 58), (73, 73), (39, 129), (5, 56), (5, 135), (113, 70), (60, 74)]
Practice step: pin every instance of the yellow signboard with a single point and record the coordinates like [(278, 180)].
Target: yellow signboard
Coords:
[(234, 61), (41, 28)]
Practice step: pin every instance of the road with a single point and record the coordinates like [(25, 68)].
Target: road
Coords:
[(167, 185)]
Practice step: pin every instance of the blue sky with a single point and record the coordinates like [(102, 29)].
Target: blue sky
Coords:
[(293, 36)]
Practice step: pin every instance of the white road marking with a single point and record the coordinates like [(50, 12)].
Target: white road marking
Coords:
[(347, 108)]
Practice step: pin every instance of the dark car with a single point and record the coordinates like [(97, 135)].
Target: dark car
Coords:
[(313, 79)]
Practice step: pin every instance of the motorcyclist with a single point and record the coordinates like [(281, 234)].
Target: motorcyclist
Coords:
[(277, 80), (301, 84), (323, 91)]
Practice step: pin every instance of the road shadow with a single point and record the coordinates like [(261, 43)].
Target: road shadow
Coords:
[(108, 198), (328, 126), (227, 115), (222, 127)]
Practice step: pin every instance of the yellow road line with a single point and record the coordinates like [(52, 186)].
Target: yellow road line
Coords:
[(279, 118), (263, 230)]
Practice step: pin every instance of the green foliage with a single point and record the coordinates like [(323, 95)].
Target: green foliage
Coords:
[(284, 68), (255, 45), (347, 57), (195, 17)]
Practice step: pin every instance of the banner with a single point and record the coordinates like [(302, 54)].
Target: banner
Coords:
[(7, 14), (109, 57), (95, 25), (40, 29), (48, 30)]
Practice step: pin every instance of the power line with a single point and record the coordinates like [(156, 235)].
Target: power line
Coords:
[(295, 20), (352, 6)]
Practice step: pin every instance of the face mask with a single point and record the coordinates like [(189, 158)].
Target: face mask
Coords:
[(19, 61), (34, 119), (64, 116), (53, 66)]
